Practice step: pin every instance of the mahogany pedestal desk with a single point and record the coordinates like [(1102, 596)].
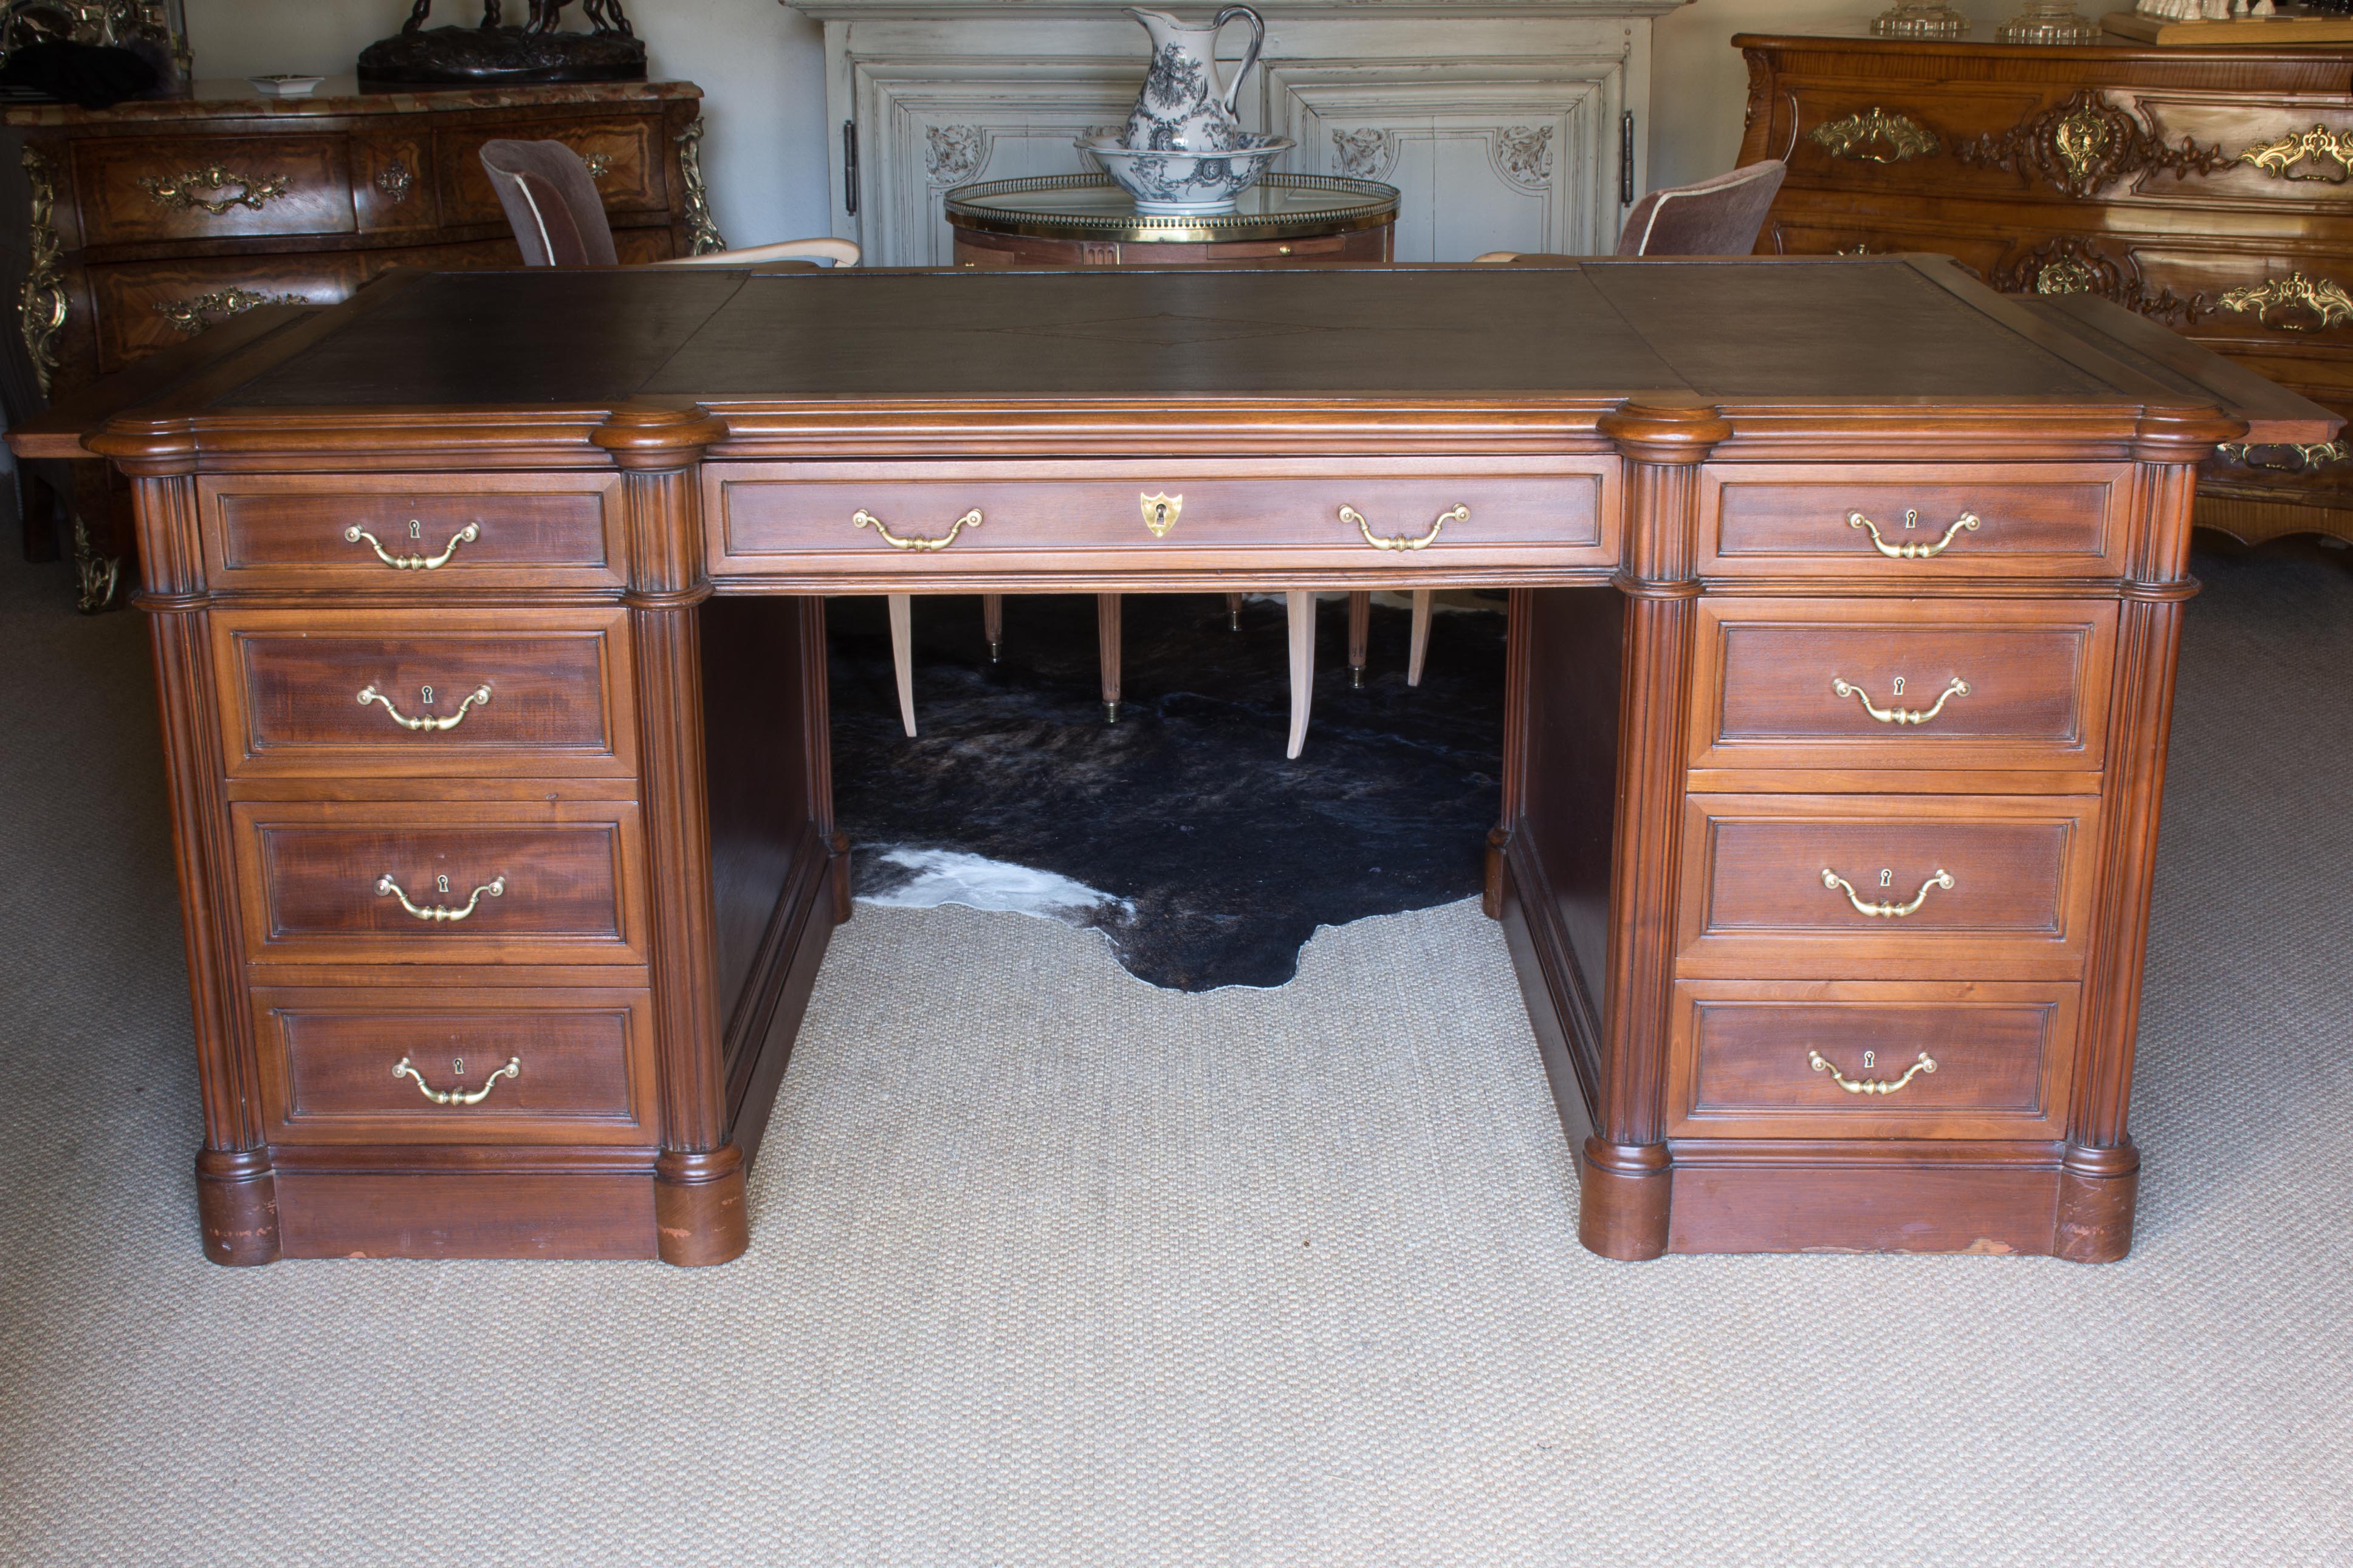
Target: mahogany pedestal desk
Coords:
[(1845, 596)]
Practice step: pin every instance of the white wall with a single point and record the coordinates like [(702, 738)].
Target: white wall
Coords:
[(760, 64), (1699, 84)]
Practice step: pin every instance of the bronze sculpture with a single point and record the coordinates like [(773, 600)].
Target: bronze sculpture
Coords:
[(493, 52)]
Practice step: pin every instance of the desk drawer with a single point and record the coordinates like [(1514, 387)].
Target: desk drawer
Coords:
[(410, 883), (412, 533), (1955, 520), (426, 692), (1903, 683), (582, 1065), (1743, 1055), (1954, 885), (801, 518)]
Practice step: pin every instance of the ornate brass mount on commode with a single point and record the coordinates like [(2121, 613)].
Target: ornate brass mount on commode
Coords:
[(2309, 304), (1875, 136), (178, 194), (1924, 1063), (2318, 146), (1837, 883), (2084, 143), (198, 311)]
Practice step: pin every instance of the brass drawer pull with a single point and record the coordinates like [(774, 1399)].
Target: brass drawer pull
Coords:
[(430, 722), (1967, 519), (466, 535), (1959, 688), (1457, 513), (1857, 1085), (2311, 304), (2320, 146), (1837, 883), (385, 888), (458, 1096), (179, 193), (862, 518)]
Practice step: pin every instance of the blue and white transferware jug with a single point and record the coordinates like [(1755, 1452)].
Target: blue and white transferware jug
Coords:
[(1182, 109)]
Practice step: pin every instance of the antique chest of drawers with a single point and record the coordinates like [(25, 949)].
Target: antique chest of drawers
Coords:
[(2210, 189), (141, 225)]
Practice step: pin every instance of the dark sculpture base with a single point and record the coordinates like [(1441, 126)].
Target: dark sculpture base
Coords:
[(493, 56)]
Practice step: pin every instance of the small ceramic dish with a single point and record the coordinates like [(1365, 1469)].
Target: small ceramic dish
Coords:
[(1186, 184), (283, 85)]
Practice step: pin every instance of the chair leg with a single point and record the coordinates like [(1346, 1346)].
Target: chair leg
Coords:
[(992, 622), (1301, 610), (1360, 632), (1420, 637), (1233, 611), (903, 656), (1107, 651)]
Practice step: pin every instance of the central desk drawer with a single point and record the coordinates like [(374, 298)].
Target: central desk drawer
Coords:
[(413, 534), (912, 520), (412, 882), (1887, 887), (451, 1065), (1797, 1058), (1903, 684), (1916, 523), (426, 692)]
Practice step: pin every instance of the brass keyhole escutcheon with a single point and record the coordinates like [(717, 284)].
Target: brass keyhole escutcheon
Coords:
[(1160, 513)]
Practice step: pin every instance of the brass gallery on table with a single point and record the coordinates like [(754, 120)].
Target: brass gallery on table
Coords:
[(488, 614)]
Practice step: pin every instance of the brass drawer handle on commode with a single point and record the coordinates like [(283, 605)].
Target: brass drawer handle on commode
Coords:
[(1967, 519), (862, 518), (466, 535), (458, 1096), (385, 888), (1837, 883), (1927, 1063), (1959, 688), (1457, 513), (430, 722)]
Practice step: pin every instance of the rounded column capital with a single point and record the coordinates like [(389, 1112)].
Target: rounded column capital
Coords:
[(1664, 432)]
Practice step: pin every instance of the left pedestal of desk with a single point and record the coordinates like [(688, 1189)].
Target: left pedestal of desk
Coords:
[(491, 955)]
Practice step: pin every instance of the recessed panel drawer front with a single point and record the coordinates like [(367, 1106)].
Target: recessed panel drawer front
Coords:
[(926, 518), (1914, 524), (416, 534), (1922, 1059), (1903, 683), (426, 692), (456, 1066), (1887, 887), (416, 882)]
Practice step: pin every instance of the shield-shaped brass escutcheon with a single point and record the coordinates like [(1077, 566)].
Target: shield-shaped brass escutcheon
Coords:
[(1160, 513)]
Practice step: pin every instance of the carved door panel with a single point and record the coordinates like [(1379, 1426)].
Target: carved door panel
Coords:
[(940, 131), (1486, 156)]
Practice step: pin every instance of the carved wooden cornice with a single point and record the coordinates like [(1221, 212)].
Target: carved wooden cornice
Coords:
[(2086, 144)]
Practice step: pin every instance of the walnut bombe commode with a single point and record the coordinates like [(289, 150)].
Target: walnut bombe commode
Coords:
[(1845, 595)]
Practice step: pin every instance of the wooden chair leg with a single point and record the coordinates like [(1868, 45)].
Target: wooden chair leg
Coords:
[(1420, 637), (1301, 610), (1360, 632), (903, 656), (992, 622), (1107, 647), (1233, 611)]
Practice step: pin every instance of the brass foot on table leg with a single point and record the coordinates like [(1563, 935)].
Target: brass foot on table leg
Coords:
[(97, 574), (1233, 611), (1356, 676), (1111, 712), (994, 649)]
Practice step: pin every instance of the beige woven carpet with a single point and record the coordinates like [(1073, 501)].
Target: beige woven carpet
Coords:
[(1052, 1267)]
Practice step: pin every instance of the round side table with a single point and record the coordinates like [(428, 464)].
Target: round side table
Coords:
[(1085, 220)]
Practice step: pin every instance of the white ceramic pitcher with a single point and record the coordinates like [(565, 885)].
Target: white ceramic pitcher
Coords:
[(1182, 109)]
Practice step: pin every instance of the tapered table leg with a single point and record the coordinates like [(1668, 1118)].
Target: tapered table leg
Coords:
[(1233, 611), (903, 656), (992, 622), (1301, 610), (1360, 633), (1107, 642), (1420, 637)]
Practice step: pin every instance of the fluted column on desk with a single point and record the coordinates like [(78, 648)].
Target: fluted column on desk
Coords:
[(1623, 1169), (699, 1176)]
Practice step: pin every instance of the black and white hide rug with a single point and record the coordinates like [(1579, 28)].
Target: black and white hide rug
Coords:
[(1181, 832)]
